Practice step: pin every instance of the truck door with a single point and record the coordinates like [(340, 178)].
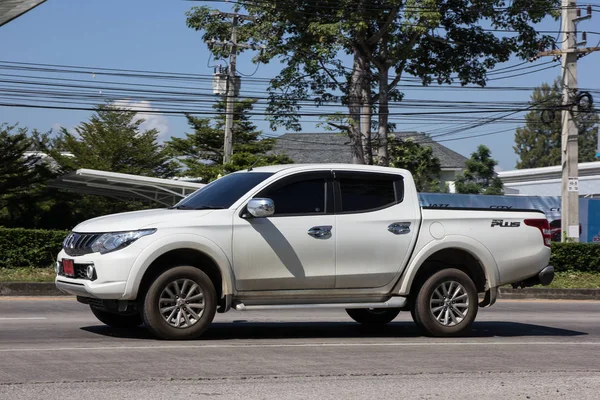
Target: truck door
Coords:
[(375, 228), (295, 247)]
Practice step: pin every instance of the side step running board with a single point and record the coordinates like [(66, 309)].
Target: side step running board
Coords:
[(392, 302)]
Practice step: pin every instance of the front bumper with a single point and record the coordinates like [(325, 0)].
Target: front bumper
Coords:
[(544, 278), (79, 287), (112, 271)]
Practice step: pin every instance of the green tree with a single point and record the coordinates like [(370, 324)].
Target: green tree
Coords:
[(201, 152), (17, 169), (480, 177), (112, 140), (435, 41), (419, 160), (22, 175), (538, 143)]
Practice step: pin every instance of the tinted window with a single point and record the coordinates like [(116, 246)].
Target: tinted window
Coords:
[(363, 194), (223, 192), (300, 197)]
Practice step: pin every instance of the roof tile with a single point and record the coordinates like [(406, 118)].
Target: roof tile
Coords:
[(309, 148)]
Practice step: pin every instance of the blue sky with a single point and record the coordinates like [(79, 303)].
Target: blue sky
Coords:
[(152, 35)]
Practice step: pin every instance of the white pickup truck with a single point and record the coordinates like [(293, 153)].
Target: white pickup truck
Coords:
[(302, 236)]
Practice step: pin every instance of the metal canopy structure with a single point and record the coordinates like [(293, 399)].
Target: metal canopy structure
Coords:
[(11, 9), (125, 186)]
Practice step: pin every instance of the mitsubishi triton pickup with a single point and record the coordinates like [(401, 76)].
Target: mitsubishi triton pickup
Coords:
[(293, 236)]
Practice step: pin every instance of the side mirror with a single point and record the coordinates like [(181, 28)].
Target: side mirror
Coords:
[(260, 208)]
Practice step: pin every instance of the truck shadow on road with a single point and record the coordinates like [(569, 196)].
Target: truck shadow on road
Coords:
[(244, 329)]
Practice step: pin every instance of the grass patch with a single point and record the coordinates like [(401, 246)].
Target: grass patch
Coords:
[(27, 274), (575, 280)]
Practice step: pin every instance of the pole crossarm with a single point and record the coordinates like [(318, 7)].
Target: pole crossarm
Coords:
[(559, 52)]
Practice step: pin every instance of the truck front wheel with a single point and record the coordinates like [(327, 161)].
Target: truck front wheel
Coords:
[(373, 316), (446, 304), (180, 304)]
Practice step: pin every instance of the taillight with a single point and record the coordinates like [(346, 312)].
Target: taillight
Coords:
[(543, 226)]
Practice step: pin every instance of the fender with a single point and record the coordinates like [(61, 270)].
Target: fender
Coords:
[(472, 246), (174, 242)]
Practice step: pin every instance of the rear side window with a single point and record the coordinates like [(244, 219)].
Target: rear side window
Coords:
[(368, 192)]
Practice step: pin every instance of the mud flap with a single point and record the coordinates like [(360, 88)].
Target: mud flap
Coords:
[(490, 297)]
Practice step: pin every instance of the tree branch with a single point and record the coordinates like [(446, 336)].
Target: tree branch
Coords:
[(338, 126), (443, 40), (365, 51), (409, 45), (384, 29), (330, 74)]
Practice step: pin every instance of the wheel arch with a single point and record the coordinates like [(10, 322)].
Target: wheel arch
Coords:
[(193, 250), (458, 252)]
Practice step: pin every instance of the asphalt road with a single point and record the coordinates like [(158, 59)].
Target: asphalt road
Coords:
[(55, 349)]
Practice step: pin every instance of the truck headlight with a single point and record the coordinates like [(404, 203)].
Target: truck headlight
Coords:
[(108, 242)]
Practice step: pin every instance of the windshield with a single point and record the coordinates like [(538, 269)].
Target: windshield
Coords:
[(223, 192)]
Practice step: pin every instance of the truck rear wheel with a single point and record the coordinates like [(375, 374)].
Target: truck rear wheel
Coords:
[(373, 316), (180, 304), (446, 304), (117, 320)]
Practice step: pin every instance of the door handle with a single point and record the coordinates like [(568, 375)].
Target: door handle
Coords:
[(399, 228), (320, 231)]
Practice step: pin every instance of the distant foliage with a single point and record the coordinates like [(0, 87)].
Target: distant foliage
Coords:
[(22, 178), (480, 177), (419, 160), (538, 143), (201, 152), (112, 140)]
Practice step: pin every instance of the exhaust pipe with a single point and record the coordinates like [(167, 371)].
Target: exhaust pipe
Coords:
[(544, 278)]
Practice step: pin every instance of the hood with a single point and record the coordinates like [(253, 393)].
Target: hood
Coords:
[(134, 220)]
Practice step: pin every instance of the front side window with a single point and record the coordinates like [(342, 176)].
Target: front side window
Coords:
[(305, 196), (223, 192), (361, 192)]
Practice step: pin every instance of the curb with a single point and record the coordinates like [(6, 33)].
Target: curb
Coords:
[(49, 289), (557, 294), (29, 289)]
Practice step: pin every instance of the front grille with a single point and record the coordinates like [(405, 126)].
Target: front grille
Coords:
[(80, 271), (78, 244)]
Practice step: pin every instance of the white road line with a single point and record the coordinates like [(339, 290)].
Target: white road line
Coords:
[(20, 318), (316, 345)]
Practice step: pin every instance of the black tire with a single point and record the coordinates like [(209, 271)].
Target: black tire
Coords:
[(117, 320), (158, 325), (448, 321), (415, 316), (373, 316)]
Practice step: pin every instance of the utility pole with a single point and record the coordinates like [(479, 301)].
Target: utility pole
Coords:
[(569, 53), (232, 86), (569, 138), (228, 145)]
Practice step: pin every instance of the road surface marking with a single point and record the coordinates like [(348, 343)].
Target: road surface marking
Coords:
[(300, 345), (35, 298)]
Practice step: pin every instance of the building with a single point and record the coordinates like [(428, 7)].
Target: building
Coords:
[(308, 148), (547, 181)]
